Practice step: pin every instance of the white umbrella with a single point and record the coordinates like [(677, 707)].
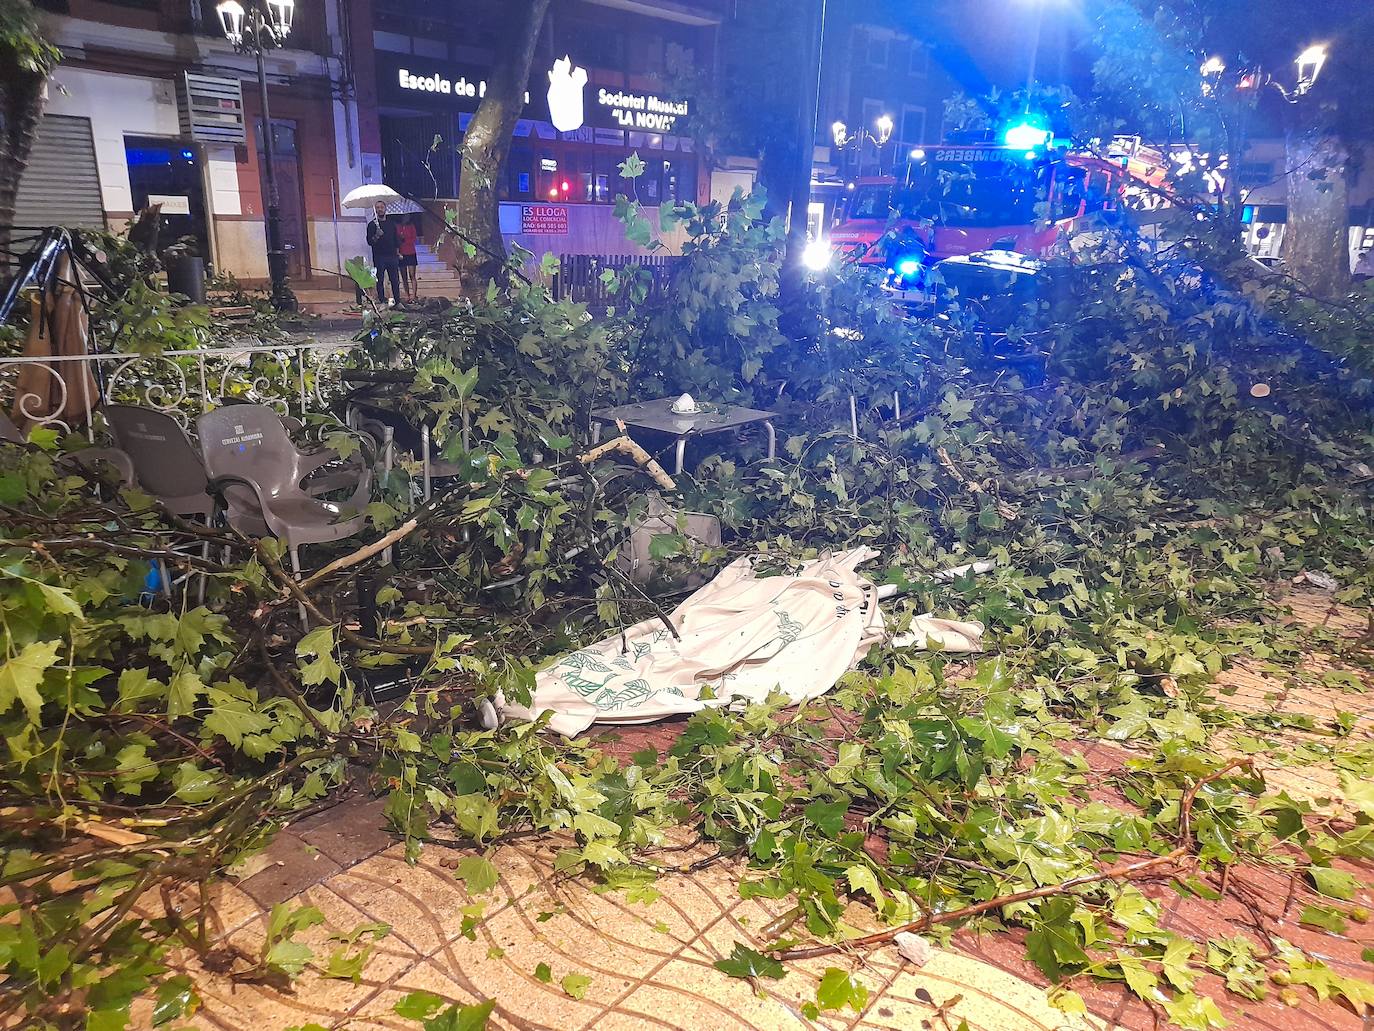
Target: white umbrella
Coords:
[(367, 196)]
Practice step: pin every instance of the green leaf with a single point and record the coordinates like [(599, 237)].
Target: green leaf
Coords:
[(176, 997), (837, 990), (575, 985), (194, 784), (319, 643), (1194, 1012), (862, 878), (632, 167), (1325, 917), (418, 1005), (462, 1018), (478, 874), (185, 687), (135, 685), (290, 957), (346, 965), (21, 675), (114, 1019), (828, 816), (745, 962), (543, 973), (666, 545), (1336, 884)]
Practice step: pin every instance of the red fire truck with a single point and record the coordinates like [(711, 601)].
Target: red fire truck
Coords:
[(962, 199)]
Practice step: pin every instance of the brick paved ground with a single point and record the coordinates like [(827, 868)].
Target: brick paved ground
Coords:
[(651, 965)]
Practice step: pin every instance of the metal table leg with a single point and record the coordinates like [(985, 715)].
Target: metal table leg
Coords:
[(681, 454), (772, 439), (424, 457), (596, 433)]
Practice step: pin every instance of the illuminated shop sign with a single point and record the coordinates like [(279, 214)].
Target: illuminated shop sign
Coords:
[(632, 110), (564, 97)]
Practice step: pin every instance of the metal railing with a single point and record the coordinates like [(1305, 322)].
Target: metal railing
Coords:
[(579, 275), (293, 378)]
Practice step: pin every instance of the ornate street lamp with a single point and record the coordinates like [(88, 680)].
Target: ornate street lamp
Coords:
[(255, 28), (1309, 64), (845, 140)]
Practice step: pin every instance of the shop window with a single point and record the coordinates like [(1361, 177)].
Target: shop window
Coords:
[(520, 165), (548, 177), (610, 137)]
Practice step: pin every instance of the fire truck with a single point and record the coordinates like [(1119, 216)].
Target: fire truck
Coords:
[(963, 199)]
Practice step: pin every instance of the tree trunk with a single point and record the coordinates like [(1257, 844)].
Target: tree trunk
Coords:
[(23, 93), (487, 144), (1316, 245)]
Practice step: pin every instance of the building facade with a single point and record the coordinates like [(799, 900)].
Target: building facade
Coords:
[(601, 89), (152, 105)]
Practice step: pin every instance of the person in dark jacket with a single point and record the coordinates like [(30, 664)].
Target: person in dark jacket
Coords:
[(381, 235)]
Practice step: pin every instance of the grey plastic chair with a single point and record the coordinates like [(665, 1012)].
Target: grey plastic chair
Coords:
[(166, 464), (251, 460), (89, 458)]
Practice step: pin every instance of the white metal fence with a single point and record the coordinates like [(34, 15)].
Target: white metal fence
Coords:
[(294, 378)]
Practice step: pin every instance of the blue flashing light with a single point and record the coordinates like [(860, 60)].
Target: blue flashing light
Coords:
[(1030, 155), (1247, 214), (189, 155), (907, 266), (1026, 135)]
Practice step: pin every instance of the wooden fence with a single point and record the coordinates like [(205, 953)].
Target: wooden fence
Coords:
[(579, 275)]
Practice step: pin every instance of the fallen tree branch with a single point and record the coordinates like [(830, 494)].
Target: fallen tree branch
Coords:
[(973, 486), (627, 446), (362, 554), (1121, 871), (1088, 470), (293, 588)]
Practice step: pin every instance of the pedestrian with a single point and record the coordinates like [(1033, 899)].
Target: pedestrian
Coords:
[(407, 235), (381, 235)]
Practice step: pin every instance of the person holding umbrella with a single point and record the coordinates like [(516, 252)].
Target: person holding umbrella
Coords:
[(381, 236)]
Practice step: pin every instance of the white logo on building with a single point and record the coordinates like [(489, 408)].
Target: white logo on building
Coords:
[(566, 95)]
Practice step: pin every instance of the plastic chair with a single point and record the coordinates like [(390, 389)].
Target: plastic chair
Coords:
[(88, 458), (165, 462), (251, 460), (167, 466)]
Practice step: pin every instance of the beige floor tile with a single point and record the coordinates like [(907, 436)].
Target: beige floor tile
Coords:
[(691, 997), (423, 903), (992, 999)]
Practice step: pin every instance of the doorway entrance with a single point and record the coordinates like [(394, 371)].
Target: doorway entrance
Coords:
[(167, 173), (291, 197)]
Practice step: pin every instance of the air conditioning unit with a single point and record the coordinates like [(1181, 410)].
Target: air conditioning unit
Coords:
[(211, 108)]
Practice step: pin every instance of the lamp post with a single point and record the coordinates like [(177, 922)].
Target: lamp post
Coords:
[(844, 139), (256, 28)]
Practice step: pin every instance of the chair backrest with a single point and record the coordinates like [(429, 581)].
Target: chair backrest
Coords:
[(9, 431), (249, 441), (165, 462)]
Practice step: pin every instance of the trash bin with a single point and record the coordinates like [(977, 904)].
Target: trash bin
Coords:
[(186, 275)]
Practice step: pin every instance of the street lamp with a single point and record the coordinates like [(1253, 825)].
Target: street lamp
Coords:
[(1309, 64), (255, 28), (1211, 71), (845, 140)]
